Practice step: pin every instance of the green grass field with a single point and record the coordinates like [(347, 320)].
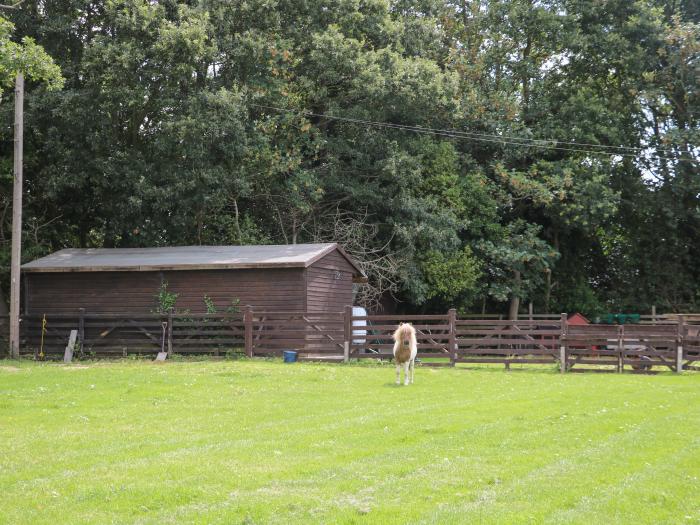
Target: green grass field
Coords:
[(262, 442)]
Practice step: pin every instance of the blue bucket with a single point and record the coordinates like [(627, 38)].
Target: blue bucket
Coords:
[(290, 356)]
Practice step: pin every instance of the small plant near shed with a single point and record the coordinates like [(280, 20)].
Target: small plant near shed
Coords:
[(166, 300), (234, 307), (209, 304)]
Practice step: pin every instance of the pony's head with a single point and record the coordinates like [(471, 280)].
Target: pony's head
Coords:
[(404, 334)]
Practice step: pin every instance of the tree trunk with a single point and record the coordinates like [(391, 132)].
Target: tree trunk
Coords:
[(515, 300), (237, 222)]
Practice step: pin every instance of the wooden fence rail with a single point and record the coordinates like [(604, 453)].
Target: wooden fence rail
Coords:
[(372, 337), (443, 340), (508, 342)]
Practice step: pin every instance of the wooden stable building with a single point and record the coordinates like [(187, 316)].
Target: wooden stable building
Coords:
[(299, 277)]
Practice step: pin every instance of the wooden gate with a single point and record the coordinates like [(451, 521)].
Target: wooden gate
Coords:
[(315, 335), (640, 347), (691, 346), (434, 335), (507, 342)]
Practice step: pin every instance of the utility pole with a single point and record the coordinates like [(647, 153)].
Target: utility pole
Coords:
[(16, 218)]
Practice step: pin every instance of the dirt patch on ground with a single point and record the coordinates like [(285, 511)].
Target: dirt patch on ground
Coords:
[(75, 367), (10, 368)]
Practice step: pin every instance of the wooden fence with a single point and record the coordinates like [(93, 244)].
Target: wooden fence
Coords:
[(372, 336), (508, 342), (253, 333), (443, 340)]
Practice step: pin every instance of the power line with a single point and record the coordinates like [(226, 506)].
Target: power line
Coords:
[(538, 143), (481, 137)]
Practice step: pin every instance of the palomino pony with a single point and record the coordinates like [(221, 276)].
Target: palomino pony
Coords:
[(405, 348)]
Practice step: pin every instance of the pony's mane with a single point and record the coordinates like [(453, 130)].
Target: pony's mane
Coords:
[(404, 330)]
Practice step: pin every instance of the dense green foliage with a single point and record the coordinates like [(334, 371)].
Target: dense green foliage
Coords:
[(166, 132), (26, 57), (260, 442)]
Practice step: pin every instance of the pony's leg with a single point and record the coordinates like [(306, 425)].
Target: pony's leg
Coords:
[(413, 370), (398, 373), (406, 375)]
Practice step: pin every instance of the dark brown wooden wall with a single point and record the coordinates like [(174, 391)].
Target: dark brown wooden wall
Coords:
[(329, 284), (124, 292), (97, 292), (279, 289)]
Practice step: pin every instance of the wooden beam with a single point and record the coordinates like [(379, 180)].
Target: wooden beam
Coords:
[(679, 344), (16, 218), (68, 354), (452, 317), (562, 344), (248, 327), (347, 332)]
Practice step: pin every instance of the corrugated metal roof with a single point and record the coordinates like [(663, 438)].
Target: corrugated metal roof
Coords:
[(183, 258)]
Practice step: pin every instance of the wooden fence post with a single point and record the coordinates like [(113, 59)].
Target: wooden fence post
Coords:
[(347, 333), (68, 353), (679, 344), (452, 321), (248, 325), (500, 318), (620, 349), (653, 314), (81, 329), (562, 344), (170, 331)]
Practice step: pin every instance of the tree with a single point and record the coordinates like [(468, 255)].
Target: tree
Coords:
[(214, 122), (26, 57), (31, 60), (517, 264)]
